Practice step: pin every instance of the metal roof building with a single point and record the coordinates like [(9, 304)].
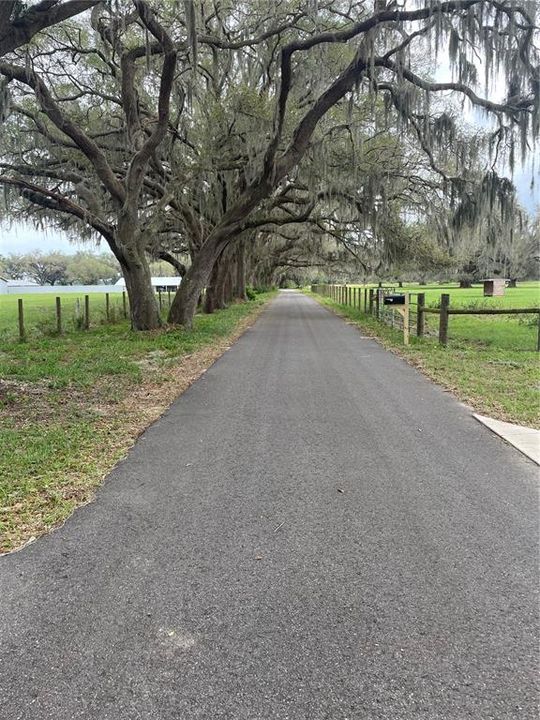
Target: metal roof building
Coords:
[(158, 283)]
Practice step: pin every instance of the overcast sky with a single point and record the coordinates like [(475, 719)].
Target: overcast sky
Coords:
[(21, 238)]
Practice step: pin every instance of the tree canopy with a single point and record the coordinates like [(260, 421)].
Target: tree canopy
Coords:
[(229, 137)]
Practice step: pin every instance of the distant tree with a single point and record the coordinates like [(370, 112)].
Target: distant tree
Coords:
[(85, 268), (47, 268), (14, 267), (161, 268)]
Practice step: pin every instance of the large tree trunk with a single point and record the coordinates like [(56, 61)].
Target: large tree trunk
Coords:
[(195, 280), (221, 289), (143, 305), (240, 275), (211, 291), (227, 293), (215, 292)]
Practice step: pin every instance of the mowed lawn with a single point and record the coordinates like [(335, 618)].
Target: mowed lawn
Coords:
[(490, 362), (71, 405), (40, 311), (511, 332)]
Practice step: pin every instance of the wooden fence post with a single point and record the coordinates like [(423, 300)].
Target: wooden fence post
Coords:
[(406, 308), (538, 339), (443, 319), (58, 316), (107, 307), (378, 302), (160, 303), (371, 291), (365, 300), (86, 312), (420, 317), (22, 334), (124, 304)]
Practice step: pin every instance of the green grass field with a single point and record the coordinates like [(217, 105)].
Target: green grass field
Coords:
[(40, 313), (511, 332), (527, 294), (71, 405), (490, 361)]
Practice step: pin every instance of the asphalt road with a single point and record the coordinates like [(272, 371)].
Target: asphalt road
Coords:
[(313, 531)]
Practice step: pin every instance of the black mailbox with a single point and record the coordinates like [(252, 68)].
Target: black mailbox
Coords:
[(394, 300)]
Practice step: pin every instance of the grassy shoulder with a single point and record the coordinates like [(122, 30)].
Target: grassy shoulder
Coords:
[(490, 372), (71, 406)]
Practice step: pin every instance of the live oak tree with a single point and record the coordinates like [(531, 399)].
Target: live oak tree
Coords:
[(96, 159), (506, 246), (20, 21), (374, 58), (253, 123)]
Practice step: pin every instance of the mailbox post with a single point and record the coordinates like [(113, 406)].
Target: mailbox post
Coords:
[(400, 302)]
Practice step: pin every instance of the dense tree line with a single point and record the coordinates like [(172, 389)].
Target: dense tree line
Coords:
[(242, 140), (55, 268)]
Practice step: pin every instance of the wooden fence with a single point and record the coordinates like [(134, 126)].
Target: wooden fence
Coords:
[(445, 310), (371, 302), (83, 311), (82, 314)]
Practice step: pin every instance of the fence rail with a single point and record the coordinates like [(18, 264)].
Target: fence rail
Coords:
[(416, 308)]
